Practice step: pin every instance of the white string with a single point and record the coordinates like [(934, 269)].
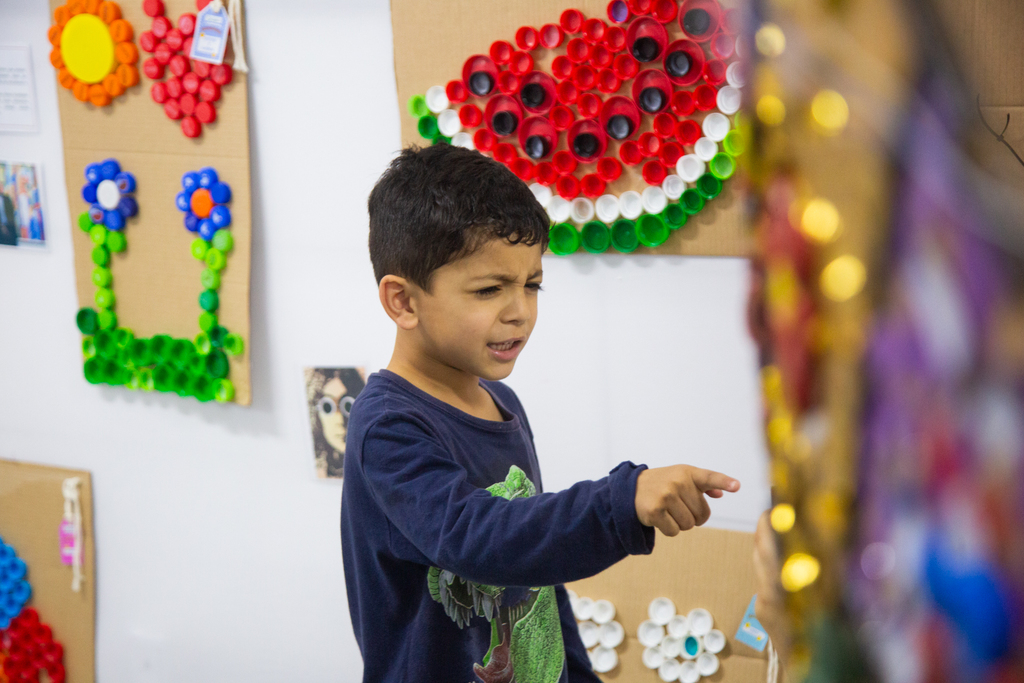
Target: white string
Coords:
[(73, 514), (773, 663), (237, 39)]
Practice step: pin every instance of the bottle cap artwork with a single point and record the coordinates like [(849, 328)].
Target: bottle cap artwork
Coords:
[(93, 51)]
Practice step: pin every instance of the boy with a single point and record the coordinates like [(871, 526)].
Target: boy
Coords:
[(453, 558)]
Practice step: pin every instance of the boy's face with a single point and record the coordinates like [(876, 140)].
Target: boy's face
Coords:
[(481, 309)]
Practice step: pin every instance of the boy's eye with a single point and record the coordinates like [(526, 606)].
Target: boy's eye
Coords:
[(535, 286), (488, 290)]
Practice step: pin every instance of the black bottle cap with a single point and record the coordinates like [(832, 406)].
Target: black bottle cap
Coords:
[(646, 49), (619, 127)]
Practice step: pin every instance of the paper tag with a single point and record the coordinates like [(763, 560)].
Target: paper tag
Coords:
[(66, 534), (751, 632), (210, 39)]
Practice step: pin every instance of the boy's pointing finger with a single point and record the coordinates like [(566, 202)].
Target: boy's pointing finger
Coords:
[(708, 481)]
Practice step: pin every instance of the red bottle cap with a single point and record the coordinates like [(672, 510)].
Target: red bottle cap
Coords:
[(688, 132), (551, 35), (174, 39), (652, 78), (706, 96), (188, 103), (163, 53), (629, 152), (578, 50), (561, 67), (478, 72), (174, 89), (538, 127), (665, 10), (669, 153), (723, 45), (527, 38), (178, 65), (470, 116), (683, 103), (456, 92), (187, 24), (571, 21), (665, 125), (221, 74), (561, 117), (584, 77), (190, 82), (186, 47), (544, 173), (609, 168), (484, 140), (153, 8), (153, 69), (649, 144), (172, 109), (206, 112), (608, 82), (620, 106), (594, 30), (564, 162), (191, 127), (501, 51), (587, 141), (148, 42), (503, 106), (694, 61), (600, 56), (566, 92), (640, 7), (523, 168), (158, 92), (521, 63), (568, 187), (714, 72), (529, 93), (505, 152), (201, 4), (508, 82), (209, 92), (202, 68), (589, 105), (592, 185), (161, 25), (700, 19), (615, 39), (625, 67), (618, 12), (646, 28), (654, 172)]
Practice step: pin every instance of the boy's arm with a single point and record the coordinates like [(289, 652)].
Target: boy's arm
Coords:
[(544, 540), (576, 660)]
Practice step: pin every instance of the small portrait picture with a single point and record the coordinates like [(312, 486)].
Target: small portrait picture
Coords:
[(330, 393), (21, 211)]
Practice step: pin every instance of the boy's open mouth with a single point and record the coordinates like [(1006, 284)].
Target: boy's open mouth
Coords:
[(506, 350), (505, 345)]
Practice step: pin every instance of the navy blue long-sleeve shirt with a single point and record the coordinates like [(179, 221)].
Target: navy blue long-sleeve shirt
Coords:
[(414, 498)]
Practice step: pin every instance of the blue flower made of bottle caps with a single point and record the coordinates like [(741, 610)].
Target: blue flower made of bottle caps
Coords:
[(109, 191)]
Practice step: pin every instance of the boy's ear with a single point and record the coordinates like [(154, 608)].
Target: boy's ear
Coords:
[(396, 296)]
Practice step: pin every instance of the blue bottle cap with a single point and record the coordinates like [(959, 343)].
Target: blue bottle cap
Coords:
[(191, 222), (190, 181), (127, 207), (182, 201), (92, 174), (221, 193), (207, 229), (109, 169), (208, 177), (221, 216), (89, 193), (96, 214), (125, 182), (113, 220)]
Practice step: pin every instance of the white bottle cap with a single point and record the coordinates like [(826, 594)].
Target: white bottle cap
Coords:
[(604, 659), (669, 670), (714, 641), (607, 208), (692, 646), (678, 626), (463, 139), (690, 167), (688, 672), (448, 122), (661, 611), (729, 100), (649, 634), (734, 75), (573, 597), (673, 186), (741, 47), (701, 621), (107, 195), (612, 634), (558, 211), (671, 646), (604, 611), (715, 126), (584, 606), (705, 149), (582, 210), (543, 196), (655, 201), (707, 664), (631, 204), (437, 99), (652, 657), (590, 633)]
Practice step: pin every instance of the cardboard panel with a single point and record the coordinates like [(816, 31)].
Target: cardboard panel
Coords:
[(156, 280), (31, 509), (709, 568), (433, 40)]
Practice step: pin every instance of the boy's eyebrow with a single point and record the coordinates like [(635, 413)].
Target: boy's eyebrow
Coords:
[(508, 279)]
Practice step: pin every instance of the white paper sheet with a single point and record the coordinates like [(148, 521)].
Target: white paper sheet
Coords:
[(17, 91)]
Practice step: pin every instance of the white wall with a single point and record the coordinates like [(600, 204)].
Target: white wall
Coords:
[(218, 550)]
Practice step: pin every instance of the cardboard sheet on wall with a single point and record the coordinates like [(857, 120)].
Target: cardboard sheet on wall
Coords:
[(433, 40), (31, 509), (708, 568), (156, 280)]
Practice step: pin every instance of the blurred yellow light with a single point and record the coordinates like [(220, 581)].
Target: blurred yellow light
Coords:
[(843, 279), (799, 571), (820, 220), (830, 111), (770, 40), (783, 517), (771, 381), (771, 110), (780, 428)]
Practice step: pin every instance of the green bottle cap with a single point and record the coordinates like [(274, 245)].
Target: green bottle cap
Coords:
[(215, 259), (734, 143), (140, 353), (624, 235), (595, 237), (134, 382), (223, 391), (209, 301), (123, 358), (674, 216), (217, 335), (98, 234), (100, 255), (210, 279), (113, 373), (87, 320), (709, 186), (199, 247), (104, 297), (92, 370), (88, 347), (202, 388), (163, 373), (180, 382), (146, 379), (651, 230), (563, 239), (418, 106), (722, 166), (84, 222), (691, 201), (234, 344), (223, 240), (160, 347), (217, 364), (202, 343), (116, 241), (101, 276), (180, 352), (107, 319), (442, 139), (427, 126), (207, 321), (124, 337), (106, 344)]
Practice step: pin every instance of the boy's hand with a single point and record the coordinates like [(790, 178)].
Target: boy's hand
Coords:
[(672, 498)]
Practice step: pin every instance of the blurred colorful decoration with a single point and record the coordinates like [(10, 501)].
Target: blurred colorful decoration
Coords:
[(27, 646), (110, 193), (93, 50), (187, 89), (656, 87)]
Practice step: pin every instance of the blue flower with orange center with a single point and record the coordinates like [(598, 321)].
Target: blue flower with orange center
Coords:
[(204, 200)]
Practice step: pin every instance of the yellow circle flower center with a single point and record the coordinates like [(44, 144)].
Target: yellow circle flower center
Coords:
[(87, 48)]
